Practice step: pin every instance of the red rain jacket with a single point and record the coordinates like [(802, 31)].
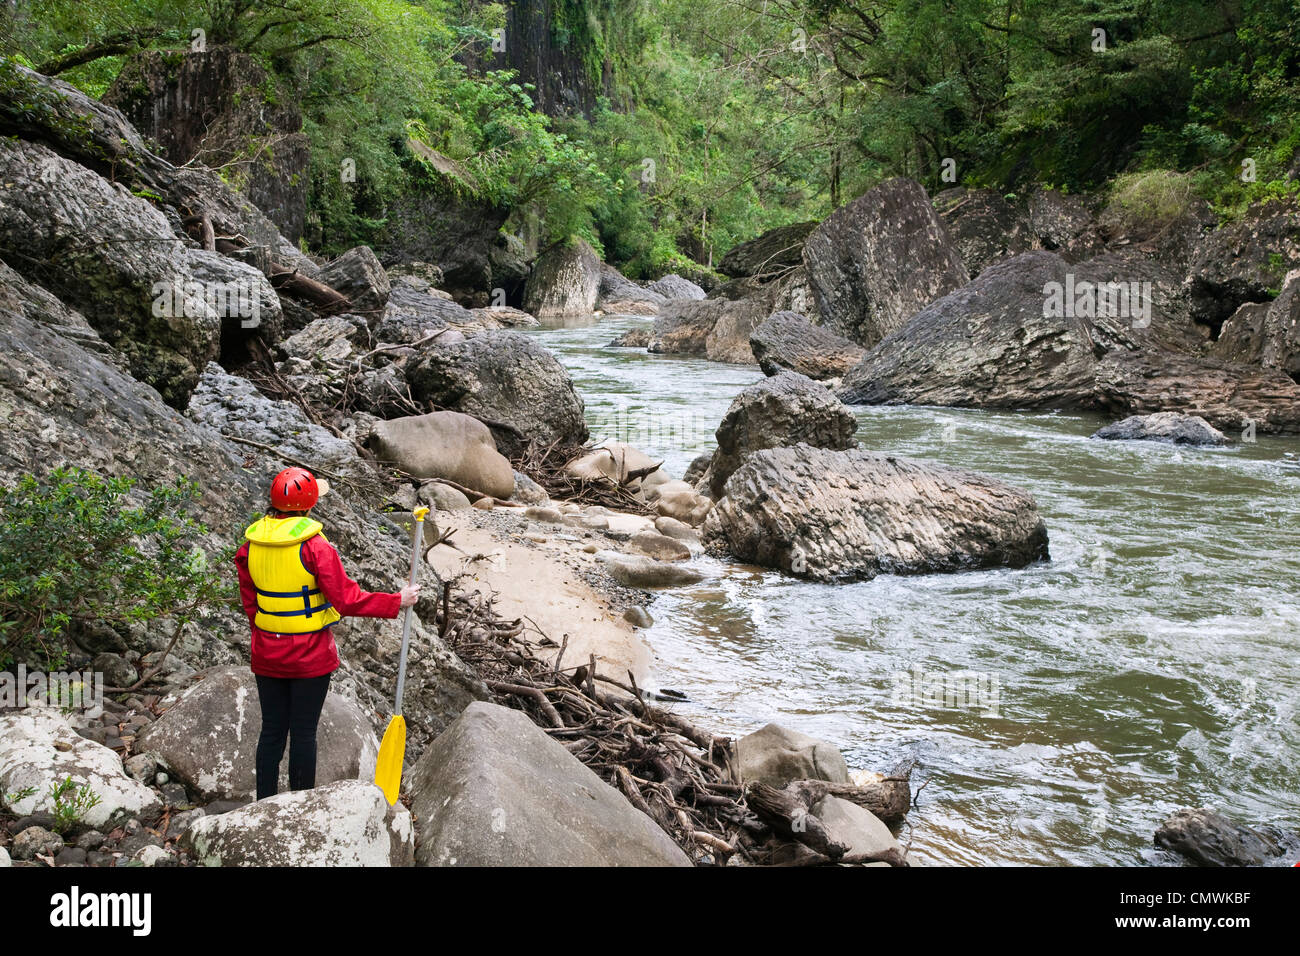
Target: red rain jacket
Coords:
[(312, 654)]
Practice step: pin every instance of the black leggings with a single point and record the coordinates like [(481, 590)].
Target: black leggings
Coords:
[(290, 710)]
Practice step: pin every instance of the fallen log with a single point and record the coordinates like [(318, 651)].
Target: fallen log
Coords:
[(889, 798), (790, 817)]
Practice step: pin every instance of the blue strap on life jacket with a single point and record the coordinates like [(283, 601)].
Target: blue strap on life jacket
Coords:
[(305, 594)]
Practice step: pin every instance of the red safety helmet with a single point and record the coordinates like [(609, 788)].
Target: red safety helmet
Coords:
[(294, 489)]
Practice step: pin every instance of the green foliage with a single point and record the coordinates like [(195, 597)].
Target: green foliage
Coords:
[(755, 113), (71, 804), (73, 551), (1142, 204)]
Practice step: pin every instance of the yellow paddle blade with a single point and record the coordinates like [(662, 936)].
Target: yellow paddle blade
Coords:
[(388, 768)]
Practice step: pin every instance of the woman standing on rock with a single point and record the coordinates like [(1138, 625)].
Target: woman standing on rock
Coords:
[(294, 589)]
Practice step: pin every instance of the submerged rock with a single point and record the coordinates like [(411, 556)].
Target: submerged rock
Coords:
[(1163, 426), (1210, 839), (845, 515), (496, 790)]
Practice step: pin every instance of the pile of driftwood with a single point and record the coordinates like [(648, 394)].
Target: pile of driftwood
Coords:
[(545, 464), (679, 775)]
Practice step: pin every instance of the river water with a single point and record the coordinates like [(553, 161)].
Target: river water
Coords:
[(1057, 714)]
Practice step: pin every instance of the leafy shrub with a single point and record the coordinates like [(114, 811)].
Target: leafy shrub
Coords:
[(1143, 204), (74, 550)]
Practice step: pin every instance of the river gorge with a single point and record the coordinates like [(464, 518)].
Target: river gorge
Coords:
[(1148, 666)]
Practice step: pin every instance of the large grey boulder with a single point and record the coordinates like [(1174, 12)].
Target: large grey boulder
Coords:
[(495, 790), (983, 226), (1168, 427), (100, 138), (1211, 839), (673, 286), (717, 329), (787, 340), (445, 445), (358, 275), (36, 304), (1244, 261), (785, 409), (990, 344), (113, 257), (776, 755), (208, 738), (619, 295), (877, 261), (855, 827), (1228, 395), (847, 515), (773, 253), (414, 313), (509, 380), (342, 824), (39, 750), (565, 281)]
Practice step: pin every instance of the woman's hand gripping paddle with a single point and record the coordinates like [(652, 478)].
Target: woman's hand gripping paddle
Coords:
[(388, 769)]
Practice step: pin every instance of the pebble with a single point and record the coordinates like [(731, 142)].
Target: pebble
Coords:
[(154, 856), (484, 504), (34, 840), (4, 858), (174, 795), (161, 779), (95, 858), (71, 856), (638, 617), (90, 840), (552, 515), (141, 767)]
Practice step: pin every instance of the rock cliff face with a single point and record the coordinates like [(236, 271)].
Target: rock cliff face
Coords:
[(214, 108), (551, 49)]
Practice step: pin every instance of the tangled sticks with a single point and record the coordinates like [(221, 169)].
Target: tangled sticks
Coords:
[(680, 776)]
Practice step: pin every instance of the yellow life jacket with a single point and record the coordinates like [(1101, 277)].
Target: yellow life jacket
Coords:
[(288, 597)]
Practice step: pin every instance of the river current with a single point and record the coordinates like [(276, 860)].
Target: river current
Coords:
[(1058, 713)]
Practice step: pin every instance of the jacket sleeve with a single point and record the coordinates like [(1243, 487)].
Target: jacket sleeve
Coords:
[(321, 559), (247, 593)]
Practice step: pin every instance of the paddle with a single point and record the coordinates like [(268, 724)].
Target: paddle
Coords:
[(388, 768)]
